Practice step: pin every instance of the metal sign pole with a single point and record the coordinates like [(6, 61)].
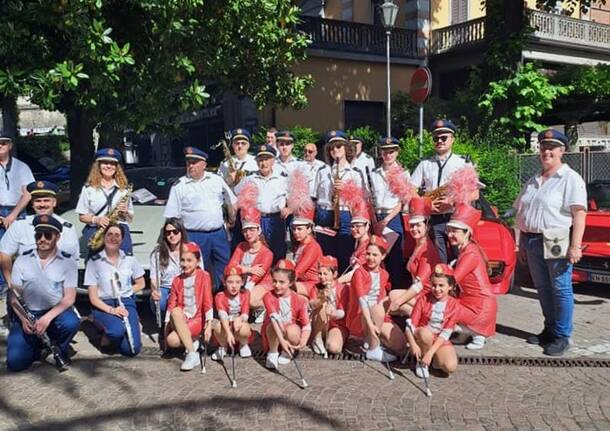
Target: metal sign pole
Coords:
[(421, 130)]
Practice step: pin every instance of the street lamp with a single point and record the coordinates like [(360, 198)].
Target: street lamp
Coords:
[(389, 11)]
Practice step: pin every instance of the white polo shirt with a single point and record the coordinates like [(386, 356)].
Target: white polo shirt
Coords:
[(288, 166), (272, 191), (325, 179), (199, 202), (384, 198), (362, 161), (99, 272), (248, 165), (44, 288), (92, 199), (433, 172), (19, 238), (543, 206), (13, 177)]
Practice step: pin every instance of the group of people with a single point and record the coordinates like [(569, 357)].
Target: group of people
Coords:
[(222, 263)]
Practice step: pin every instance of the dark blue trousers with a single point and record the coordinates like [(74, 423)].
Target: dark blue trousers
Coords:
[(394, 261), (114, 328), (24, 349), (215, 250), (274, 231), (342, 245)]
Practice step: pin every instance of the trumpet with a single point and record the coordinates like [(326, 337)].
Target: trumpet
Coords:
[(96, 242)]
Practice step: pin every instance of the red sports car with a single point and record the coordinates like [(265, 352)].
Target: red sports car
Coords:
[(595, 263)]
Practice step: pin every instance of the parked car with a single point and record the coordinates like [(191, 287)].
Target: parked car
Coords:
[(148, 218), (595, 263)]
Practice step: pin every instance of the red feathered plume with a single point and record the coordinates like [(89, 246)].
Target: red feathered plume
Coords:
[(298, 199), (248, 195), (354, 198), (462, 185), (399, 184)]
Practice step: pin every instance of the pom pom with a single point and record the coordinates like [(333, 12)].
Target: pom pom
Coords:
[(248, 195), (399, 184), (354, 197), (298, 199), (463, 185)]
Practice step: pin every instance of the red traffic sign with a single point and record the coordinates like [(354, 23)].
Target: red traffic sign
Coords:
[(421, 85)]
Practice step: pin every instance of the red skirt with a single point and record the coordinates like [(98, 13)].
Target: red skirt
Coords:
[(480, 319)]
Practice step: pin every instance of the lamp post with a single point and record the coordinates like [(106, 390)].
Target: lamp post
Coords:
[(389, 11)]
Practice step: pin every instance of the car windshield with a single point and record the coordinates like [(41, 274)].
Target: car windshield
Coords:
[(599, 191), (151, 185)]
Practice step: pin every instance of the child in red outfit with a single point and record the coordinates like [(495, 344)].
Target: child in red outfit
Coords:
[(233, 307), (328, 310), (189, 304), (306, 255), (432, 322), (286, 322), (370, 285)]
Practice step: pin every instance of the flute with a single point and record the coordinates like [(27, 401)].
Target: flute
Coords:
[(116, 288)]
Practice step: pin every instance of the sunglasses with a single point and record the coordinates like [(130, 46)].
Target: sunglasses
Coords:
[(169, 232), (310, 151), (357, 225), (441, 138), (47, 234), (240, 143), (107, 162), (336, 145), (284, 143)]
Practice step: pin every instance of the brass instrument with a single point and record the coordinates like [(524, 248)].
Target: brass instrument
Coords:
[(438, 192), (96, 242), (239, 174), (336, 207)]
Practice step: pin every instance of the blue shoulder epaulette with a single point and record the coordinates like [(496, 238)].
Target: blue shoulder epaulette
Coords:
[(66, 254), (356, 169), (27, 252), (67, 224), (96, 256), (283, 173), (129, 253)]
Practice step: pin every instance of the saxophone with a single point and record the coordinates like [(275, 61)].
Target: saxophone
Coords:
[(227, 154), (96, 242), (336, 207), (438, 192)]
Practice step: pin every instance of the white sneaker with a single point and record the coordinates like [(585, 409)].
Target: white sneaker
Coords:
[(318, 346), (196, 346), (422, 372), (260, 317), (477, 343), (380, 355), (245, 352), (272, 360), (191, 361), (219, 354), (284, 359)]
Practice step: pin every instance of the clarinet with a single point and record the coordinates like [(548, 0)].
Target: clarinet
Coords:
[(116, 284), (336, 200), (372, 195), (158, 303), (60, 362)]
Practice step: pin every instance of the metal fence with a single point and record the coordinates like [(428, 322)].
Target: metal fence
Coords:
[(591, 165)]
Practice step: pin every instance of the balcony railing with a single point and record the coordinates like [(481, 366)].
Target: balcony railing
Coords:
[(353, 37), (457, 35), (565, 29)]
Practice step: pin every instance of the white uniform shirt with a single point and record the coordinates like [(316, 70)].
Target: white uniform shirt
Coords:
[(272, 191), (44, 288), (248, 165), (199, 202), (426, 174), (99, 272), (362, 161), (92, 199), (289, 165), (19, 238), (384, 198), (544, 206), (325, 180), (168, 273), (312, 169), (13, 177)]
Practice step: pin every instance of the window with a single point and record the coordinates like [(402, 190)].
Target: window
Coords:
[(312, 7), (459, 11), (359, 114), (347, 11)]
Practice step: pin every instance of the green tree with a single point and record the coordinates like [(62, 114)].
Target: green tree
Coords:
[(143, 63)]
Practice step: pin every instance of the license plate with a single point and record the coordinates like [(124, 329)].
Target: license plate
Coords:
[(600, 278)]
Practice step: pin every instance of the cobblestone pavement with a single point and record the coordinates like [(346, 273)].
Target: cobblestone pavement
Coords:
[(105, 392)]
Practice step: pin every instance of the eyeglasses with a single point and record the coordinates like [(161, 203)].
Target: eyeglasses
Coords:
[(47, 234), (310, 151), (169, 232), (441, 138)]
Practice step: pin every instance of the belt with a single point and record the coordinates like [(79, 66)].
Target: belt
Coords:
[(532, 234), (440, 218), (206, 231), (275, 214), (329, 208)]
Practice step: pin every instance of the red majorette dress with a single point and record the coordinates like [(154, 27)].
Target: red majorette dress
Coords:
[(286, 310), (194, 295), (439, 317), (478, 306), (264, 257), (306, 259), (338, 300), (359, 254), (233, 308), (421, 263), (366, 287)]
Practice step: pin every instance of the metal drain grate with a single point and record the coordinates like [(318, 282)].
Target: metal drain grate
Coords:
[(464, 360)]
